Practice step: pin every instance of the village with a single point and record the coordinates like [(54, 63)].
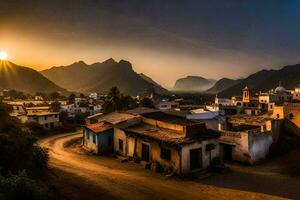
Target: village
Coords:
[(172, 137)]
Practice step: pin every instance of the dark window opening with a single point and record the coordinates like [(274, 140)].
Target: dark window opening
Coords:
[(165, 154)]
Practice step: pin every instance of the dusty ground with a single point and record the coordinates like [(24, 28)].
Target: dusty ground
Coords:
[(86, 177)]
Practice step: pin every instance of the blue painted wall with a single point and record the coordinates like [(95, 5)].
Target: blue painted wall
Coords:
[(102, 140)]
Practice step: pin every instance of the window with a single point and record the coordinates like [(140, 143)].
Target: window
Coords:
[(45, 117), (165, 154), (55, 116), (120, 145), (87, 135), (94, 139)]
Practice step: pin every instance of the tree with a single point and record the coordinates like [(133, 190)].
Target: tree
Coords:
[(113, 100), (128, 102), (55, 106), (54, 95), (147, 102), (71, 98)]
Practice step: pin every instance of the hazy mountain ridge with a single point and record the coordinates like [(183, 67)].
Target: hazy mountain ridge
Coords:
[(100, 77), (25, 79), (193, 83), (264, 80), (150, 80), (222, 85)]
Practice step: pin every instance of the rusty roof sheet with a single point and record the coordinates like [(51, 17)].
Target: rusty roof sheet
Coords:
[(99, 127)]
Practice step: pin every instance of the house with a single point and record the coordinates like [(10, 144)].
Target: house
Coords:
[(248, 138), (296, 93), (286, 110), (47, 119), (98, 137), (174, 143), (166, 105)]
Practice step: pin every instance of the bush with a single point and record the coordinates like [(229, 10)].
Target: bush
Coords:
[(36, 129), (20, 186), (40, 157)]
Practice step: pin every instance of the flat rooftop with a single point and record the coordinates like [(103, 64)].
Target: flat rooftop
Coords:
[(256, 120)]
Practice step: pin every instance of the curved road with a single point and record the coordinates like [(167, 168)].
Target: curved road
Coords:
[(83, 176)]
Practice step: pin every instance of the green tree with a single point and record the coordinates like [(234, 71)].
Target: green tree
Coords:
[(147, 102), (55, 106), (113, 100), (54, 95), (71, 98)]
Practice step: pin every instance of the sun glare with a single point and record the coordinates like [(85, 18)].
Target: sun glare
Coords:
[(3, 55)]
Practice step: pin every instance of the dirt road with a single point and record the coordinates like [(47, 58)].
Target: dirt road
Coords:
[(93, 177)]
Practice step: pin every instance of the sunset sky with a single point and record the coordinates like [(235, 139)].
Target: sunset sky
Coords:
[(165, 39)]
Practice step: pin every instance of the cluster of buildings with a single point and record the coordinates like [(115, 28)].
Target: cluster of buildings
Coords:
[(183, 140), (41, 115), (39, 111), (88, 106)]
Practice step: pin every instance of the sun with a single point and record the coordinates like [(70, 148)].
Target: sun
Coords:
[(3, 55)]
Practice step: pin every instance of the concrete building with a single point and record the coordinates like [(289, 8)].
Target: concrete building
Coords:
[(286, 110), (98, 137), (159, 140), (45, 118), (176, 144), (167, 105), (248, 138)]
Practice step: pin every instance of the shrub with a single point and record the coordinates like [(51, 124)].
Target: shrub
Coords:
[(40, 157), (21, 186)]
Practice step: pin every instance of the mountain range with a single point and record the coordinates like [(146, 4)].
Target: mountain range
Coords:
[(100, 77), (25, 79), (264, 80), (193, 83)]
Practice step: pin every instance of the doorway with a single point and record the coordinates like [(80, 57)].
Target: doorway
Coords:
[(195, 158), (145, 152), (227, 152)]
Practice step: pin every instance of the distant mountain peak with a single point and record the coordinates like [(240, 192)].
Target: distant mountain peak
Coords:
[(110, 61), (79, 63), (193, 83), (100, 77)]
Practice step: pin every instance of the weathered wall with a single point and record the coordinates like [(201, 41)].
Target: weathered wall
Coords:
[(185, 154), (239, 140), (166, 125), (88, 142), (155, 149), (102, 142), (119, 134), (259, 145)]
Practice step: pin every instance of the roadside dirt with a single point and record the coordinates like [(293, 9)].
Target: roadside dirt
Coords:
[(81, 176)]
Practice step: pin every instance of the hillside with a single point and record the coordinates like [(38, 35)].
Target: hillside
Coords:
[(222, 85), (24, 79), (100, 77), (148, 79), (193, 83), (264, 80)]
